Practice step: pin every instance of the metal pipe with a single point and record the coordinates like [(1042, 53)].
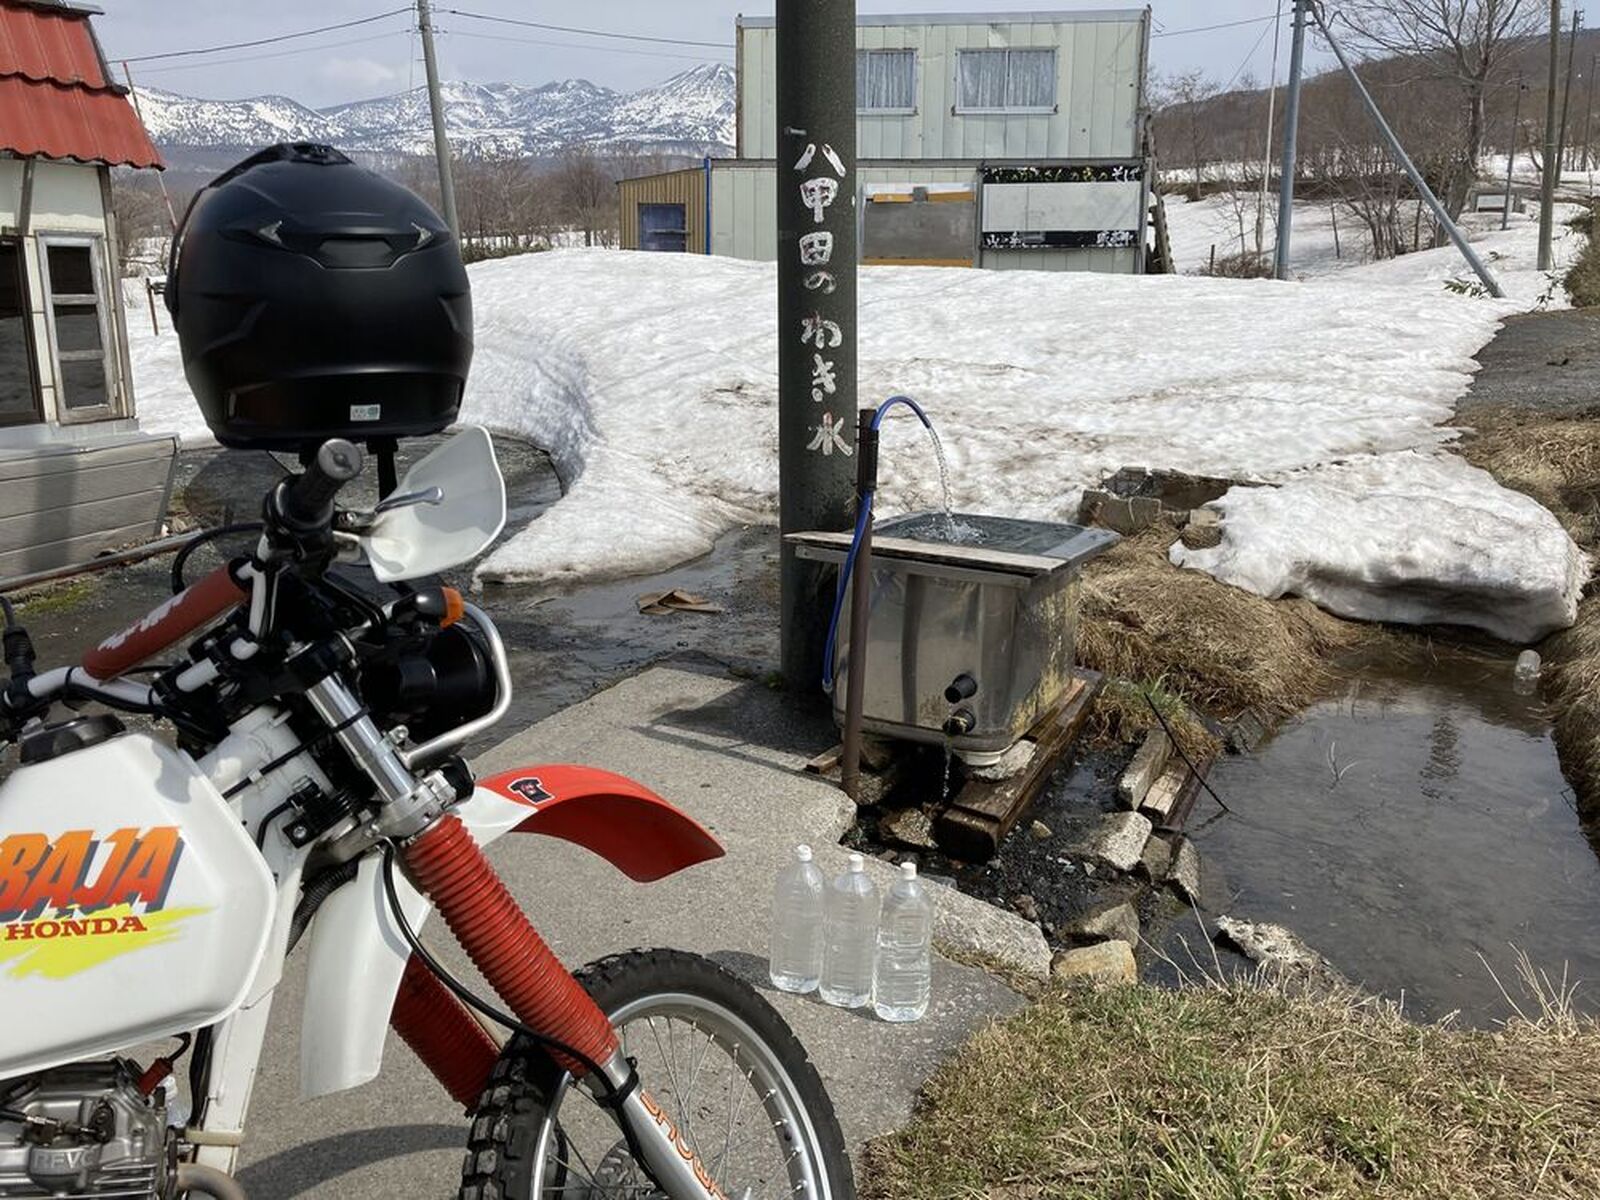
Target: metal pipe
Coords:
[(1547, 184), (816, 231), (104, 562), (860, 610), (1291, 134), (1417, 181), (441, 140), (1511, 154)]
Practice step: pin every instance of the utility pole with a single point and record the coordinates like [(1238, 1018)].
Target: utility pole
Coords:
[(1547, 185), (1266, 153), (441, 141), (816, 118), (1291, 133), (1511, 153), (1588, 115), (1566, 94)]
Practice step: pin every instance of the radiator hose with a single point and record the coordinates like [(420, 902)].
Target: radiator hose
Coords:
[(192, 1179)]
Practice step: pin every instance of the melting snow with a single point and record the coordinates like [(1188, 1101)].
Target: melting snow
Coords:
[(651, 379)]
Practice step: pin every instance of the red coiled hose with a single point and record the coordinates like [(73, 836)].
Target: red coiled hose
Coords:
[(443, 1034), (524, 972)]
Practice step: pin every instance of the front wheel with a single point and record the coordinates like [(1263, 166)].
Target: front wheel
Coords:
[(711, 1052)]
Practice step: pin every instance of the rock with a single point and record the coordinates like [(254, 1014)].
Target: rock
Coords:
[(1270, 945), (1162, 797), (1105, 964), (877, 754), (1204, 530), (1117, 841), (1124, 514), (1185, 872), (1013, 762), (1156, 862), (1027, 908), (909, 827), (1105, 923), (1039, 831), (1148, 763)]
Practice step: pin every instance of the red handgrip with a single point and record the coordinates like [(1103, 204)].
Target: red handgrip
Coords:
[(443, 1034), (524, 972), (196, 606)]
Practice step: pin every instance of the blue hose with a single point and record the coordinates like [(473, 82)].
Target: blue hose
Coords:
[(863, 522)]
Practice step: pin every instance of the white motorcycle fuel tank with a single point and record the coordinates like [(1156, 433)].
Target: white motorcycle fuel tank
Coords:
[(132, 903)]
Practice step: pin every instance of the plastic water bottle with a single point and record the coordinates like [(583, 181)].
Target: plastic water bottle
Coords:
[(849, 938), (796, 961), (904, 976)]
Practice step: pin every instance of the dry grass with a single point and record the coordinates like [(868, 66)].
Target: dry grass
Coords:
[(1181, 635), (1248, 1091), (1555, 458)]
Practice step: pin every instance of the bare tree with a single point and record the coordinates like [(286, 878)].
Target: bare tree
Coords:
[(588, 194), (1467, 42), (1182, 99)]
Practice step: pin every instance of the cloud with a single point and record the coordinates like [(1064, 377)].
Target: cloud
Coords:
[(363, 74)]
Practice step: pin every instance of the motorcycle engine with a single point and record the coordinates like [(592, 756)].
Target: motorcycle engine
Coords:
[(83, 1130)]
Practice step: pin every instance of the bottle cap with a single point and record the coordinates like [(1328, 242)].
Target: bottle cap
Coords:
[(802, 853), (908, 870), (857, 863)]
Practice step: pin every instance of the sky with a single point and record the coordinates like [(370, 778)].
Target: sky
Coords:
[(381, 56)]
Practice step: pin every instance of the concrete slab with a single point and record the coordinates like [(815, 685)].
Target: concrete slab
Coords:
[(730, 754)]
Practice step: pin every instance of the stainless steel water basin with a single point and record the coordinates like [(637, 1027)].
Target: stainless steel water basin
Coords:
[(991, 612)]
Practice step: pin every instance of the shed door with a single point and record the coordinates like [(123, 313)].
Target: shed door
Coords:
[(19, 388), (663, 227)]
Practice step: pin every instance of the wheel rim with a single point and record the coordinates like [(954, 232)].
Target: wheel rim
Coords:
[(693, 1053)]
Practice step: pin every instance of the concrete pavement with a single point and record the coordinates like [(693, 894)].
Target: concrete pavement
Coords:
[(730, 754)]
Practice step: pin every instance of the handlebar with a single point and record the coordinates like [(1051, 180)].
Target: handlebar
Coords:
[(305, 503)]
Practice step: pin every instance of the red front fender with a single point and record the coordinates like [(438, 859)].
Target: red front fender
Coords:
[(624, 822)]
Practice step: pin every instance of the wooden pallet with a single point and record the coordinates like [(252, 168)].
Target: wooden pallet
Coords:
[(978, 817)]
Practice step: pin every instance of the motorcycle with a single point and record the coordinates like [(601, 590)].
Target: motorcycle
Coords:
[(314, 792)]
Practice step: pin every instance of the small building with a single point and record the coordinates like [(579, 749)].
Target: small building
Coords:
[(1000, 140), (76, 474)]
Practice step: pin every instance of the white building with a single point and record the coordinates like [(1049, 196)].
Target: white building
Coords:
[(76, 475), (1002, 140)]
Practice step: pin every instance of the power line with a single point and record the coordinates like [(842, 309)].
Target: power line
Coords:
[(500, 37), (268, 41), (244, 58), (1213, 28), (604, 33)]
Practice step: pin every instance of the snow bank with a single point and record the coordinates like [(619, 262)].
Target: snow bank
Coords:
[(1405, 537), (651, 379)]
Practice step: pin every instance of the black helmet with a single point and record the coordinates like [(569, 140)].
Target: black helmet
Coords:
[(315, 299)]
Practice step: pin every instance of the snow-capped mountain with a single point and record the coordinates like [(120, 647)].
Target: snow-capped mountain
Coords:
[(691, 113)]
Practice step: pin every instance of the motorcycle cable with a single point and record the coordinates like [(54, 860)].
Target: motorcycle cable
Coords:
[(200, 539), (466, 995), (615, 1097)]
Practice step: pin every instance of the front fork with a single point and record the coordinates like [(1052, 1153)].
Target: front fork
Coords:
[(450, 868)]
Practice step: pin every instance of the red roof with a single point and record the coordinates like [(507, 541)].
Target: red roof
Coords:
[(56, 98)]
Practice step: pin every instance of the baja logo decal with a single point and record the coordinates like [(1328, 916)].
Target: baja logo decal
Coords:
[(658, 1114), (75, 902), (531, 790)]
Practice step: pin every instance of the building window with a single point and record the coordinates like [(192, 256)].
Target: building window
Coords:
[(663, 227), (996, 81), (886, 81), (75, 309), (19, 391)]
